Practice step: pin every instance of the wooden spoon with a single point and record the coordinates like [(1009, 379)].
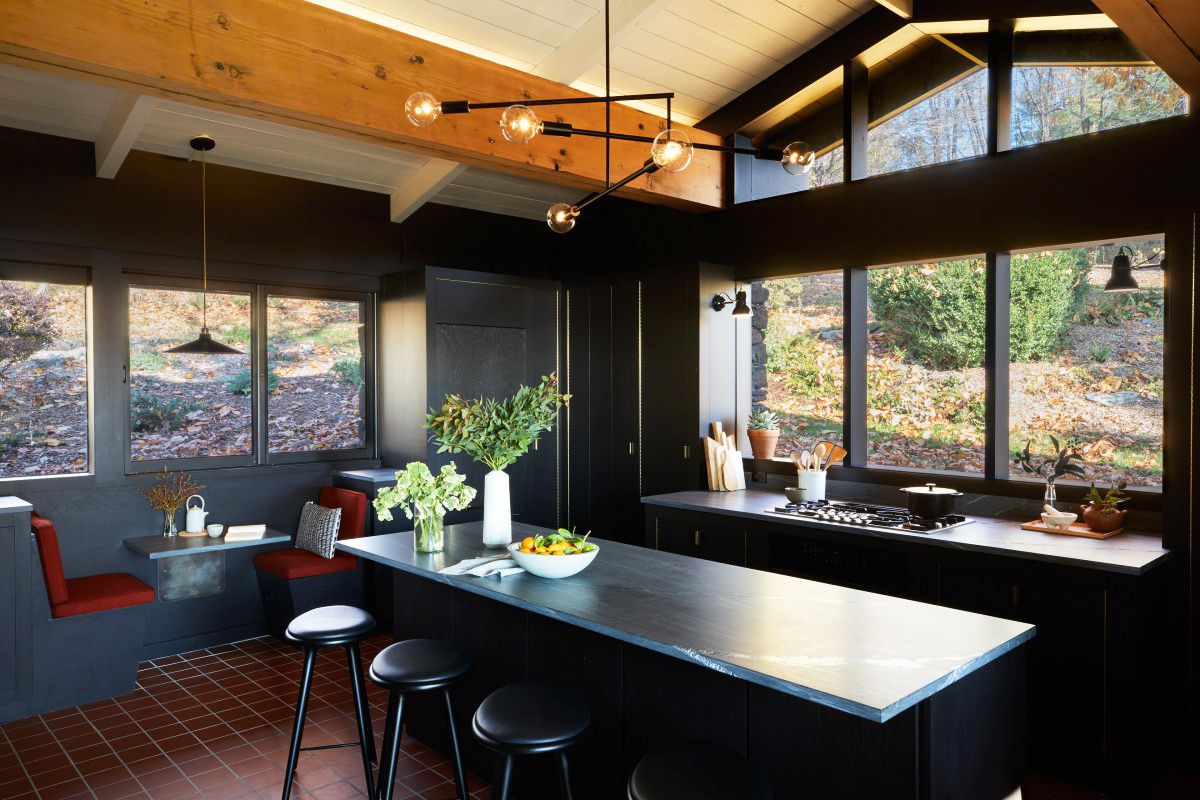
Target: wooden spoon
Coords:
[(819, 454), (835, 455), (805, 460)]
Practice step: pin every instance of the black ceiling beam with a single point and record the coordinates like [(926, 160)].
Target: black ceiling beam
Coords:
[(956, 10), (841, 47)]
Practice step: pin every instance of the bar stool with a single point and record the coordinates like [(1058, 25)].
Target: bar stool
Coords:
[(412, 666), (331, 626), (530, 718), (697, 771)]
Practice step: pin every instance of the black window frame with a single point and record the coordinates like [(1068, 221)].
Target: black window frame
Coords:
[(260, 455)]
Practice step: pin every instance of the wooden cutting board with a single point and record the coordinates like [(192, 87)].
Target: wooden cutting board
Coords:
[(1076, 529)]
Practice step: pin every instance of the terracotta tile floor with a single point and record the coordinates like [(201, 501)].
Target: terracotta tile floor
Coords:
[(212, 724)]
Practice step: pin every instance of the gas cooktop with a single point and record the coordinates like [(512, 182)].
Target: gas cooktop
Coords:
[(861, 515)]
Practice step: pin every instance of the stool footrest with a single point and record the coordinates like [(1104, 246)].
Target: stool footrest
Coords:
[(330, 746)]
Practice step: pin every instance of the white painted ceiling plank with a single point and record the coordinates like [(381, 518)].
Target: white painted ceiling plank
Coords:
[(427, 182), (902, 7), (120, 131), (585, 47), (727, 22), (452, 197), (674, 28)]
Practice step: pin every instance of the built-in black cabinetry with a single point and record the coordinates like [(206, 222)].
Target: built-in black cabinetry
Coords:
[(1099, 708)]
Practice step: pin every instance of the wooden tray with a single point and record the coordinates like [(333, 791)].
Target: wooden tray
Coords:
[(187, 535), (1076, 529)]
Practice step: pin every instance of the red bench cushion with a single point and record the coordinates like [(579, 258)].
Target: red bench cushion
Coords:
[(295, 563), (102, 593), (51, 558), (354, 509)]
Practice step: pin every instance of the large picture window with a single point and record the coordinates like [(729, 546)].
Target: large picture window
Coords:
[(188, 406), (43, 379), (315, 374), (925, 381), (1087, 365), (798, 356)]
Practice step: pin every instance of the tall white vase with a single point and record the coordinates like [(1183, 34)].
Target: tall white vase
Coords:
[(497, 511)]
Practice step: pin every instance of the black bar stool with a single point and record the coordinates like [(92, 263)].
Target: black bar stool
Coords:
[(530, 718), (411, 666), (697, 771), (331, 626)]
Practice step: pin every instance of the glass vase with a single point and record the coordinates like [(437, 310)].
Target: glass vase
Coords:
[(1051, 496), (169, 528), (429, 535)]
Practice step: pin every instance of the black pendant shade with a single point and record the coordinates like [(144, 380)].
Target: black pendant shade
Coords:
[(1121, 278), (204, 343)]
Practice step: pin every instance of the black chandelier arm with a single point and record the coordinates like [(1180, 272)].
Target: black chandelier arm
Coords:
[(648, 168), (630, 137)]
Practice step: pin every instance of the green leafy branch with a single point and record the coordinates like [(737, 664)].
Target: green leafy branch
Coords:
[(423, 495), (1053, 467), (496, 432)]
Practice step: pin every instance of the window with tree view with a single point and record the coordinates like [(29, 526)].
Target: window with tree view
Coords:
[(1087, 365), (797, 356), (188, 405), (925, 375), (315, 374), (43, 379)]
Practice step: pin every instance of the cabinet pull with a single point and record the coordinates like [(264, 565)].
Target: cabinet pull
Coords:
[(631, 448), (686, 452), (1016, 595), (696, 538)]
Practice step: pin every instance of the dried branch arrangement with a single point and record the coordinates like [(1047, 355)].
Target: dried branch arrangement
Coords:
[(170, 491)]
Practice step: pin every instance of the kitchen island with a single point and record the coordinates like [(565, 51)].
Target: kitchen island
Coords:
[(830, 691)]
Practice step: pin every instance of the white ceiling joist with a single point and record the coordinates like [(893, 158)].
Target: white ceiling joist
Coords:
[(902, 7), (584, 48), (120, 131), (425, 183)]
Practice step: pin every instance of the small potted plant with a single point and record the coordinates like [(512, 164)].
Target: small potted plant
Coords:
[(168, 494), (426, 498), (1101, 512), (1052, 467), (497, 433), (763, 430)]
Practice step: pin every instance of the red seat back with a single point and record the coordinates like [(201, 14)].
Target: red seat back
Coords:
[(52, 568), (354, 509)]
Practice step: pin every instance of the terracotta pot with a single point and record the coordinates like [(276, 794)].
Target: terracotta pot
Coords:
[(763, 443), (1102, 523)]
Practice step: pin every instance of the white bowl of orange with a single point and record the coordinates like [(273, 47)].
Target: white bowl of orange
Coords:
[(559, 555)]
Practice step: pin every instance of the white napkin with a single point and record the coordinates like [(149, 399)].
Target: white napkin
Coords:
[(500, 566)]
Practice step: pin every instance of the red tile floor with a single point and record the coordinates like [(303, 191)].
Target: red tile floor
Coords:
[(212, 724)]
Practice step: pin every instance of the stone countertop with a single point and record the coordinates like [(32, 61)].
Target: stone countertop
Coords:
[(1129, 553), (154, 547), (862, 653)]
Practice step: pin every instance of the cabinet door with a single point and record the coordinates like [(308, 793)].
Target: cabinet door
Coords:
[(726, 545), (673, 536)]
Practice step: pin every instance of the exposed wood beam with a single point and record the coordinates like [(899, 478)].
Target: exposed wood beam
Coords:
[(843, 46), (956, 10), (585, 47), (120, 130), (1168, 31), (435, 175), (903, 8), (304, 65)]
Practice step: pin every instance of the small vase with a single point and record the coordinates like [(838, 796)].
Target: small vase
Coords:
[(429, 534), (169, 528), (1051, 495), (497, 511)]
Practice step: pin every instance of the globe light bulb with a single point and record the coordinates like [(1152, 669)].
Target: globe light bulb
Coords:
[(422, 109), (672, 150), (798, 158), (561, 217), (519, 124)]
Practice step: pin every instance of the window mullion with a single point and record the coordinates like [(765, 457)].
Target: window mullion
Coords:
[(258, 366), (996, 365), (854, 357)]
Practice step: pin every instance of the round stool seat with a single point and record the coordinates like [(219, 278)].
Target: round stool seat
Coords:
[(697, 771), (417, 664), (331, 625), (531, 717)]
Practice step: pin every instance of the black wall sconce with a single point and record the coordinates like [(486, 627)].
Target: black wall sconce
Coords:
[(740, 309)]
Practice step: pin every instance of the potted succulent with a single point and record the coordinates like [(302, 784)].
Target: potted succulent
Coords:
[(496, 433), (426, 498), (763, 430), (1053, 467), (1101, 512)]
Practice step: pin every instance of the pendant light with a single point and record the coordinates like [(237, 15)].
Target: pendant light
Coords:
[(204, 343)]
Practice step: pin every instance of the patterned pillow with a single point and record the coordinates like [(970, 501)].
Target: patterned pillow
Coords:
[(318, 529)]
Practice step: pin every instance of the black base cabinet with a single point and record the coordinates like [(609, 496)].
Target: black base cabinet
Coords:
[(1099, 708)]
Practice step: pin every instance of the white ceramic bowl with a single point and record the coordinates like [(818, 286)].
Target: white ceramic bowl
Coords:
[(1061, 521), (545, 566)]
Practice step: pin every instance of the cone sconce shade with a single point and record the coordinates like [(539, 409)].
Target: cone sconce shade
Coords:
[(740, 308), (204, 343)]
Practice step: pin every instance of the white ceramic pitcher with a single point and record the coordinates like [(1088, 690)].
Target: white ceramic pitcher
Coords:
[(195, 515)]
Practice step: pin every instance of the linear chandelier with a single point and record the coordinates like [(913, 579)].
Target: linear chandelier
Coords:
[(670, 151)]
